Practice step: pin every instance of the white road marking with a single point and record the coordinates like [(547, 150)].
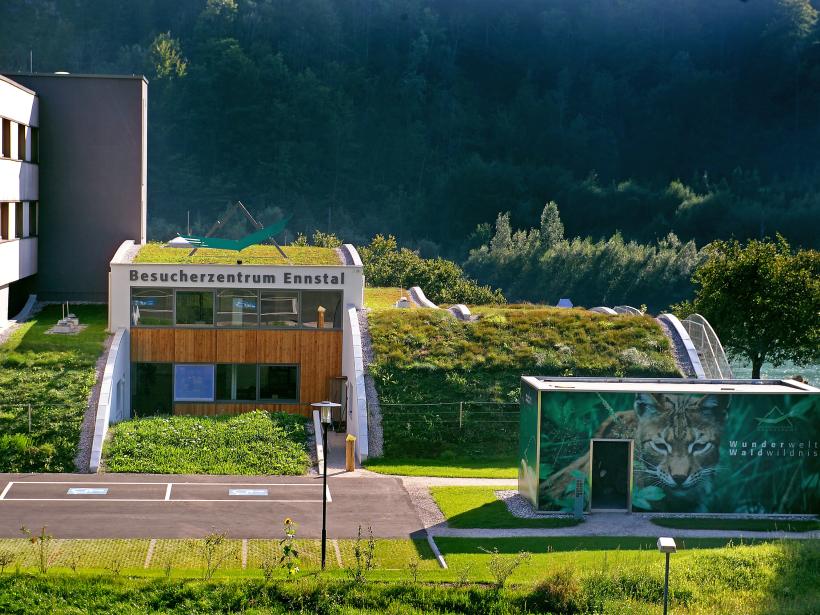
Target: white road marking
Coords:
[(6, 490), (168, 491), (87, 491), (327, 492), (74, 482), (261, 501), (248, 492)]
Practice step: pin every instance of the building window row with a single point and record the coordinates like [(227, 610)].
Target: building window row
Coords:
[(19, 141), (18, 220), (241, 308), (157, 386)]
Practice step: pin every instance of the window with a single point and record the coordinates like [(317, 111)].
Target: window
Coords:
[(236, 382), (35, 145), (236, 308), (321, 306), (279, 383), (152, 307), (151, 389), (195, 307), (32, 219), (18, 220), (21, 142), (4, 221), (6, 146), (279, 309), (194, 382)]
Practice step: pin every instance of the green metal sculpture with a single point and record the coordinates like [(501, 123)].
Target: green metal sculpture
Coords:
[(237, 244)]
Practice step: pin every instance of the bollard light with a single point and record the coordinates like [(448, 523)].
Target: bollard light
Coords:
[(325, 408), (666, 545)]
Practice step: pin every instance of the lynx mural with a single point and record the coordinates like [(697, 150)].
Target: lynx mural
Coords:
[(692, 453)]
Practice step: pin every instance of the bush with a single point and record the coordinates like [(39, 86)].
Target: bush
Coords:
[(561, 592), (442, 281)]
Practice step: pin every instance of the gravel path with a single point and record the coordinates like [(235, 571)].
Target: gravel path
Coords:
[(679, 353), (375, 437), (83, 457)]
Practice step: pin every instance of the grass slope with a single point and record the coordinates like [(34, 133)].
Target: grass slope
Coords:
[(561, 576), (427, 356), (253, 255), (252, 443), (740, 525), (380, 298), (55, 374), (478, 507)]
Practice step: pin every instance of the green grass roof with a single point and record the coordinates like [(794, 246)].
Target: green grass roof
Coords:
[(253, 255)]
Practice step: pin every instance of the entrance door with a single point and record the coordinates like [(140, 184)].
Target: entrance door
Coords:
[(611, 467)]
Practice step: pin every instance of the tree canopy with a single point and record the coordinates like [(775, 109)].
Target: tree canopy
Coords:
[(425, 118), (763, 299)]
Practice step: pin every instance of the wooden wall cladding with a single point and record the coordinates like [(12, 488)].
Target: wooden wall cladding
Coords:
[(194, 346), (280, 346), (321, 360), (236, 346), (152, 345), (191, 409)]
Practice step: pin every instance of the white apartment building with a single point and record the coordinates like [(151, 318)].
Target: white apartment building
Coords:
[(19, 187)]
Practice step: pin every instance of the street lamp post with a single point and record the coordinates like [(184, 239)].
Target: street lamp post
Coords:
[(667, 546), (325, 408)]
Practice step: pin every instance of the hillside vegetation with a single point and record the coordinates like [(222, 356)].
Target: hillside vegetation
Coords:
[(471, 371)]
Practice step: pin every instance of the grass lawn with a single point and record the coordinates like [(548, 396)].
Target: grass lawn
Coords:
[(379, 298), (470, 372), (561, 575), (55, 374), (741, 525), (251, 443), (253, 255), (478, 507), (464, 468)]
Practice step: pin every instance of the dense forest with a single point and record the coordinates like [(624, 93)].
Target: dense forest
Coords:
[(426, 119)]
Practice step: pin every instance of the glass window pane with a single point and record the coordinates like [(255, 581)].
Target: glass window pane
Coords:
[(236, 308), (151, 389), (330, 300), (152, 307), (236, 382), (195, 307), (194, 382), (279, 309), (278, 382)]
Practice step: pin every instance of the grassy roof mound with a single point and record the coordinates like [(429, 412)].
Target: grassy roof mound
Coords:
[(155, 252), (535, 340)]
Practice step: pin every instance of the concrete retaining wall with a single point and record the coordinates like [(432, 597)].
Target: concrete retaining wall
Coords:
[(113, 405)]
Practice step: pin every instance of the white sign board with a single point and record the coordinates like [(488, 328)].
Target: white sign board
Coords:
[(88, 491)]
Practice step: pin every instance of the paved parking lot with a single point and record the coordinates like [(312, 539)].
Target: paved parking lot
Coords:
[(159, 506)]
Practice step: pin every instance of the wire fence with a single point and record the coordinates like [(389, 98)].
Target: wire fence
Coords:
[(450, 428)]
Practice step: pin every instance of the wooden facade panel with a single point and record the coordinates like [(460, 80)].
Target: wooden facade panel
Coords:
[(279, 346), (194, 345), (321, 361), (152, 345), (236, 346), (193, 409)]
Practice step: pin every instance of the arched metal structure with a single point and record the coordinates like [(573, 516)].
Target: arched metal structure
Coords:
[(627, 309), (604, 310), (710, 351)]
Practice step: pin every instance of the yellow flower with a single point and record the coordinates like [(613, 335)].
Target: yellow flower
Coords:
[(288, 521)]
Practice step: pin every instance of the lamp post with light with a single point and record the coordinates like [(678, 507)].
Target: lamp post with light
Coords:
[(325, 409), (668, 546)]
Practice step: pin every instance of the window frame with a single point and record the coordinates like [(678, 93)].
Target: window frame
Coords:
[(195, 325), (210, 400), (217, 311), (131, 306), (267, 400), (234, 367)]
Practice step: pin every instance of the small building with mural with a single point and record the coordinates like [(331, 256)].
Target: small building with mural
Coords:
[(670, 445), (208, 332)]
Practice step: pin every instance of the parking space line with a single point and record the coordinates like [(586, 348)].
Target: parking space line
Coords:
[(75, 482), (168, 491), (327, 493), (260, 501), (6, 490)]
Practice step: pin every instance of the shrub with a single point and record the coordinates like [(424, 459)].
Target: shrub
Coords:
[(442, 281), (561, 592)]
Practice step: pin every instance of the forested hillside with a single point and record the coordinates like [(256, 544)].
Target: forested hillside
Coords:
[(426, 118)]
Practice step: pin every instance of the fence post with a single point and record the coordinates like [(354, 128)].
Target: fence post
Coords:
[(29, 418), (460, 414)]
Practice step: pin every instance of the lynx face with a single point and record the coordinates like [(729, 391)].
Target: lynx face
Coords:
[(678, 440)]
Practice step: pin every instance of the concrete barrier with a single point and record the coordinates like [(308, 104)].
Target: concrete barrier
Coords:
[(112, 405)]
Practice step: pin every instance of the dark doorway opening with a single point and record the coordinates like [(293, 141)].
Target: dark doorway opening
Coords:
[(611, 469)]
